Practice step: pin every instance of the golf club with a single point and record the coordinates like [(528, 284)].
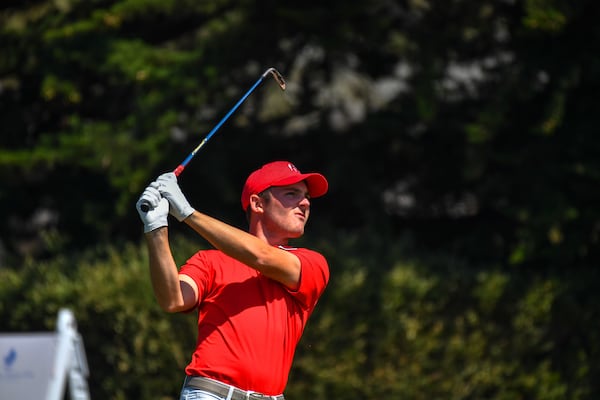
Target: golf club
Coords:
[(272, 71)]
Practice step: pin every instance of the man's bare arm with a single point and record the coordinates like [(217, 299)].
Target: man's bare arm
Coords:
[(173, 292), (277, 264)]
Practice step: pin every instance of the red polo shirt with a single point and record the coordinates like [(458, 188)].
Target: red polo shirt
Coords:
[(248, 324)]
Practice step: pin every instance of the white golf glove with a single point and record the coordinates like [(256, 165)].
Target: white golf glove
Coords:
[(168, 187), (156, 216)]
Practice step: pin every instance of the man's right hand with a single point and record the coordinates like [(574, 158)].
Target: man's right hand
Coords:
[(156, 217)]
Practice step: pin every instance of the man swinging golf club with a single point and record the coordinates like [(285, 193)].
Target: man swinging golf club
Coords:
[(253, 293)]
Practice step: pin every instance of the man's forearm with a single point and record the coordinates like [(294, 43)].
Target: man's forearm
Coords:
[(275, 263), (163, 271)]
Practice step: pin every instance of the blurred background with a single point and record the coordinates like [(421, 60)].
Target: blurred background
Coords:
[(460, 140)]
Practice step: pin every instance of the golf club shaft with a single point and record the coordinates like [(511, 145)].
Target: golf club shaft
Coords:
[(177, 171)]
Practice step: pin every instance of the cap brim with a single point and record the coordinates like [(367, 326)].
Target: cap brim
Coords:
[(316, 183)]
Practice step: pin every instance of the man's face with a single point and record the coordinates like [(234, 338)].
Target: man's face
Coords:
[(287, 209)]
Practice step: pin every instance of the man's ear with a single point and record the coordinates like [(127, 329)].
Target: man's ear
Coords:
[(256, 203)]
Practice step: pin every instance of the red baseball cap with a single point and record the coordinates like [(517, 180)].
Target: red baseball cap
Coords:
[(281, 173)]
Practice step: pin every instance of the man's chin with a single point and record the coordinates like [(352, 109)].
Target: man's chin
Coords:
[(296, 234)]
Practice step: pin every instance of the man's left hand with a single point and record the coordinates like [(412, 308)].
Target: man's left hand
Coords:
[(168, 187)]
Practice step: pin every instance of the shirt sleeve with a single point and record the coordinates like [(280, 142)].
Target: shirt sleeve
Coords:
[(314, 276), (199, 268)]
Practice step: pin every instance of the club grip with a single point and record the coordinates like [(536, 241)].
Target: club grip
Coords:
[(145, 206), (177, 171)]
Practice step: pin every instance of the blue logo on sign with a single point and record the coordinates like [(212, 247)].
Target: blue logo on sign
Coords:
[(10, 358)]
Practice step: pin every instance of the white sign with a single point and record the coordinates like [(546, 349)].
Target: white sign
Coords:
[(27, 363), (37, 365)]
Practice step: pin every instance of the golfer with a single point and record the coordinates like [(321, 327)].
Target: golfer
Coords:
[(253, 293)]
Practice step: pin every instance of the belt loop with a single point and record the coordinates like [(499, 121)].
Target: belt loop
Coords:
[(229, 393)]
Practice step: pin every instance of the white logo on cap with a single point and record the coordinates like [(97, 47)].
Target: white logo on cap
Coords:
[(293, 168)]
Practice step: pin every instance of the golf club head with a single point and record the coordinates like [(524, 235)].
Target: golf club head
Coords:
[(277, 76)]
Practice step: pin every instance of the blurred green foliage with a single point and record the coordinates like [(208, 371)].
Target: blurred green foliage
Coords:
[(418, 328), (459, 139)]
